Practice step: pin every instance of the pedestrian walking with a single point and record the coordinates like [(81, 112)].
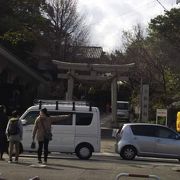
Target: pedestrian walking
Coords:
[(14, 132), (42, 131), (3, 138)]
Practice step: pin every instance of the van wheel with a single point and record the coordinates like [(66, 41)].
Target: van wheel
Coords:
[(84, 151), (128, 152)]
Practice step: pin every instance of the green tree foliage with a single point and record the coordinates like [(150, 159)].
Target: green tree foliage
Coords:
[(164, 30), (54, 26), (167, 26), (20, 22), (164, 37)]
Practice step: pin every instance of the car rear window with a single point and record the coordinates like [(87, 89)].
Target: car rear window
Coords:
[(143, 130)]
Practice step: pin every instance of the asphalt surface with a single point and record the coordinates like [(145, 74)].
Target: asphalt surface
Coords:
[(104, 165), (100, 166)]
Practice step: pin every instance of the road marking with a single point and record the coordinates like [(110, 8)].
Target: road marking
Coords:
[(38, 165)]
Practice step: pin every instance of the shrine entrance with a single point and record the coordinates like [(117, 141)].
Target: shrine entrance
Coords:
[(94, 72)]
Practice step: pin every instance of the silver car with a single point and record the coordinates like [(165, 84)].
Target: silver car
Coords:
[(141, 139)]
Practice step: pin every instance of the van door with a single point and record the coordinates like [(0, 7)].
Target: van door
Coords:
[(28, 120), (63, 133), (87, 129)]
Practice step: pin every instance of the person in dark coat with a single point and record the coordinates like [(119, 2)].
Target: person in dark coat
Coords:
[(3, 138), (14, 132)]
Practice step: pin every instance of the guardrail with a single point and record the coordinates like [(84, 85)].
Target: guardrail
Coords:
[(136, 175)]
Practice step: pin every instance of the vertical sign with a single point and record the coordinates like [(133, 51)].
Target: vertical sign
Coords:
[(145, 102)]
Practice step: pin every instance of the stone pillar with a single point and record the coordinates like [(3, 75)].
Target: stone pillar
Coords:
[(69, 95), (114, 100)]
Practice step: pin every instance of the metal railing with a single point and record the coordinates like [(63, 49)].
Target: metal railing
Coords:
[(40, 102), (136, 175)]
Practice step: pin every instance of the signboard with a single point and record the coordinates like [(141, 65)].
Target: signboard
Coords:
[(161, 116)]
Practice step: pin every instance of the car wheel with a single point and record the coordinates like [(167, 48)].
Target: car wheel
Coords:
[(128, 153), (84, 151)]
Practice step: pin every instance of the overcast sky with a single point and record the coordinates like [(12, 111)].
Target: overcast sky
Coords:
[(108, 18)]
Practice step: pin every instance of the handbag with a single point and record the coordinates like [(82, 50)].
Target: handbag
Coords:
[(48, 134), (33, 145)]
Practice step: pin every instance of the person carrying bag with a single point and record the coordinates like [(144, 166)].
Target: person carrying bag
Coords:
[(42, 123), (14, 132), (42, 131), (47, 134)]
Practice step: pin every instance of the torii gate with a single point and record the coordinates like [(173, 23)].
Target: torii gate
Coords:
[(97, 72)]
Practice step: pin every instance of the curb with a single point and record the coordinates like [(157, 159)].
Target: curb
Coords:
[(106, 154)]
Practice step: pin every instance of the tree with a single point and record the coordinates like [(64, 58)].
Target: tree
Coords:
[(152, 66), (165, 30), (167, 26), (66, 29), (21, 22)]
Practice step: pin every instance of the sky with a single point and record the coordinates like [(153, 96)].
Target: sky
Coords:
[(109, 18)]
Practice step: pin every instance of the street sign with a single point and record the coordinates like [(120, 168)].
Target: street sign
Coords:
[(161, 112), (161, 116)]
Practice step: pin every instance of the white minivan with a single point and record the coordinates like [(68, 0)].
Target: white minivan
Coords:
[(79, 133)]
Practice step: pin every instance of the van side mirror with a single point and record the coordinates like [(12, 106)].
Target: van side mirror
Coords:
[(24, 122)]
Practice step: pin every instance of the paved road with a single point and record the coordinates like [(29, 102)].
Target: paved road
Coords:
[(102, 166)]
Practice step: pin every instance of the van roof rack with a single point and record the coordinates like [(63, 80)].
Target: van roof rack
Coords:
[(57, 102)]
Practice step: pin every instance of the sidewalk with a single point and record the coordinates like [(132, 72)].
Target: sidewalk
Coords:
[(107, 141), (107, 145), (106, 119)]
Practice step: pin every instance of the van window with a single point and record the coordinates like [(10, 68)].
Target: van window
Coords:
[(31, 117), (143, 130), (67, 121), (83, 119)]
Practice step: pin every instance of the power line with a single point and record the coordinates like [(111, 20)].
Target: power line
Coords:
[(161, 5), (131, 13)]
